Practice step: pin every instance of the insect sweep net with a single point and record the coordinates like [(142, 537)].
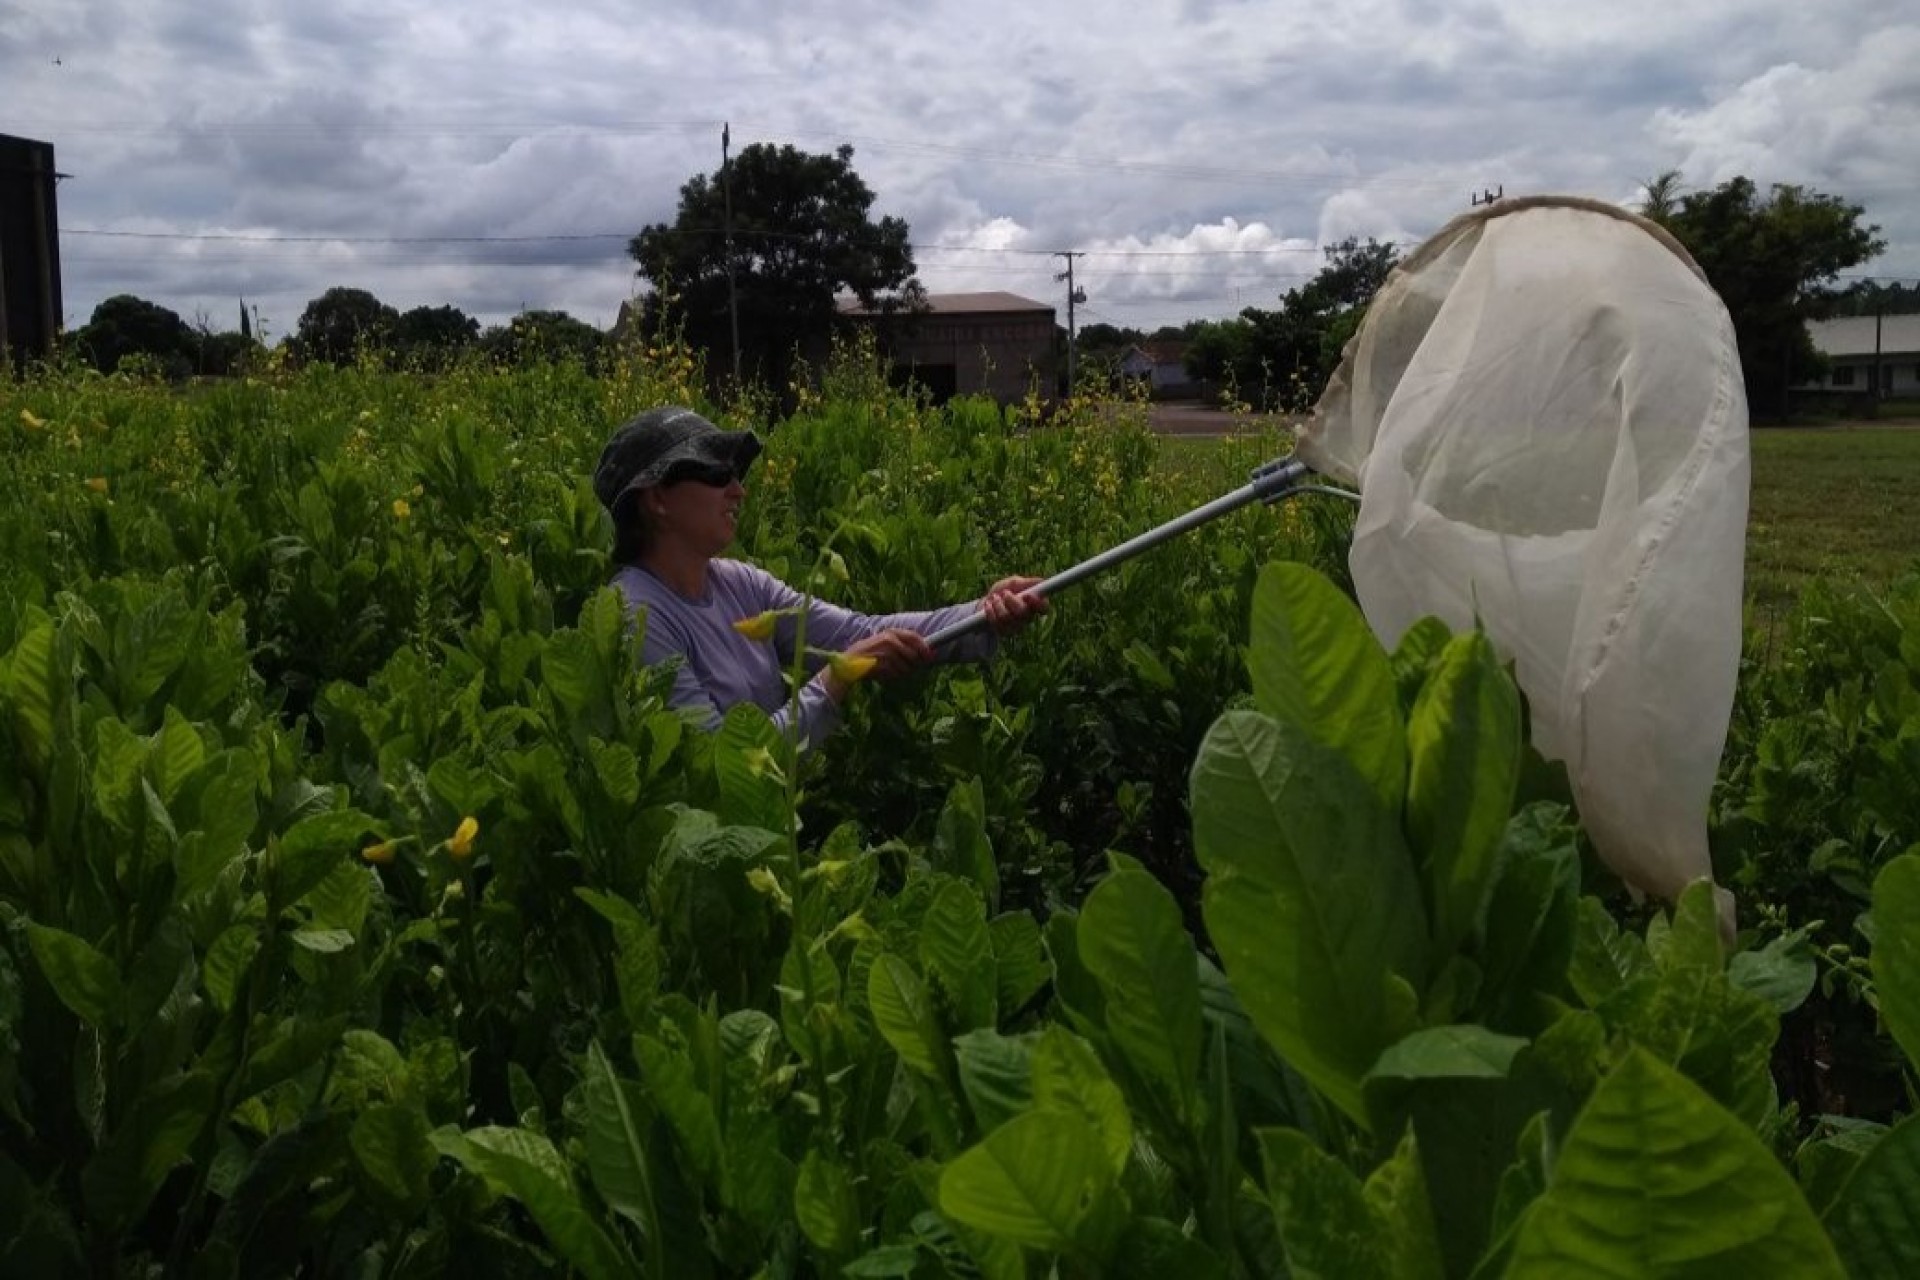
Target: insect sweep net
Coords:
[(1544, 414)]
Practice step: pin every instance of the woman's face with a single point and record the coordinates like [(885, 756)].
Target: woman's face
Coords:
[(696, 514)]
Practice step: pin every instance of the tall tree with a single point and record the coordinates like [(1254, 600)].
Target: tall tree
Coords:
[(433, 337), (802, 233), (124, 325), (1281, 359), (1773, 260), (534, 337), (338, 324)]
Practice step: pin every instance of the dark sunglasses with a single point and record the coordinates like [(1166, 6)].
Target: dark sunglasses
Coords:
[(716, 475)]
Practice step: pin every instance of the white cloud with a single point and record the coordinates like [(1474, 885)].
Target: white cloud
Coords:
[(1200, 152)]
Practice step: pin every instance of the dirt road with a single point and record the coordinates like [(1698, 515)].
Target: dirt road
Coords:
[(1201, 423)]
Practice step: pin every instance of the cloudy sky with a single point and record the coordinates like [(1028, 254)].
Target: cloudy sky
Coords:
[(497, 156)]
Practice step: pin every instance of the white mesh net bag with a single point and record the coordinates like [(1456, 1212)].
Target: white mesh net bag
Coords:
[(1544, 414)]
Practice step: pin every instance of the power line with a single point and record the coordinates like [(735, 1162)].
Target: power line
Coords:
[(238, 237)]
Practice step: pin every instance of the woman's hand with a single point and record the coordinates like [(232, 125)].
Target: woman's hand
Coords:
[(1010, 604), (895, 653)]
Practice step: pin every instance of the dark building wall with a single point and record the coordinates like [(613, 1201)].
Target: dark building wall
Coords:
[(996, 354), (30, 307)]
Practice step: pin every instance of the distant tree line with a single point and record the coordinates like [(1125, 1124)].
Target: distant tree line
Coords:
[(1775, 260), (341, 326), (766, 248), (1878, 298)]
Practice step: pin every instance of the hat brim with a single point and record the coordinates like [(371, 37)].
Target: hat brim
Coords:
[(713, 456)]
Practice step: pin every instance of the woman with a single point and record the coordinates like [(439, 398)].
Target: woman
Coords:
[(672, 482)]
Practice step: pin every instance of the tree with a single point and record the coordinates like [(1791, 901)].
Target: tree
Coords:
[(124, 325), (802, 234), (433, 337), (1100, 336), (1281, 359), (1878, 297), (1773, 262), (543, 336), (339, 323)]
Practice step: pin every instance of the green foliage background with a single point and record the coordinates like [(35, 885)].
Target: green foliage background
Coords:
[(363, 908)]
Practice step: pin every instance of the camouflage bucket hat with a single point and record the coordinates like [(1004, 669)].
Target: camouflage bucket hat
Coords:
[(666, 445)]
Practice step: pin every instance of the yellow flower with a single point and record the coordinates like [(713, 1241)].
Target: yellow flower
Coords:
[(760, 763), (759, 627), (97, 483), (765, 882), (400, 509), (460, 847), (851, 667), (30, 422), (378, 854)]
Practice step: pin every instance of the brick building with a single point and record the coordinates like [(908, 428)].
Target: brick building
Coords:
[(995, 344)]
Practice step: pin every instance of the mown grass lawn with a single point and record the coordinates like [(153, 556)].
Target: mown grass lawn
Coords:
[(1838, 503)]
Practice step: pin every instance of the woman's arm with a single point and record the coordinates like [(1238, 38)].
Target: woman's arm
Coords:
[(829, 626)]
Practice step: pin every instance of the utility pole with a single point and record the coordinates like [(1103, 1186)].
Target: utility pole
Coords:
[(1879, 310), (726, 226), (1487, 195), (1073, 296)]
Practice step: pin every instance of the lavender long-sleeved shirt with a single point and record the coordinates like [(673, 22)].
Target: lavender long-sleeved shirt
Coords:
[(719, 666)]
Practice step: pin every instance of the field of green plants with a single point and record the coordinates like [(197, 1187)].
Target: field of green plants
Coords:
[(365, 912)]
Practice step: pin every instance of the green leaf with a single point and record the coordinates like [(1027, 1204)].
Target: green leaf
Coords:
[(1827, 1160), (905, 1017), (1311, 898), (312, 848), (1896, 950), (888, 1262), (1876, 1221), (1656, 1179), (826, 1206), (391, 1150), (1526, 939), (1782, 973), (177, 753), (1604, 958), (750, 795), (1325, 1222), (1066, 1075), (1415, 657), (996, 1074), (759, 1177), (1718, 1035), (1454, 1052), (525, 1166), (1315, 664), (33, 687), (669, 1077), (1463, 742), (222, 817), (1689, 937), (809, 999), (289, 1049), (123, 1175), (341, 901), (957, 950), (85, 980), (370, 1068), (1396, 1191), (1019, 959), (1078, 993), (960, 843), (325, 942), (1133, 941), (617, 1152), (1039, 1180)]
